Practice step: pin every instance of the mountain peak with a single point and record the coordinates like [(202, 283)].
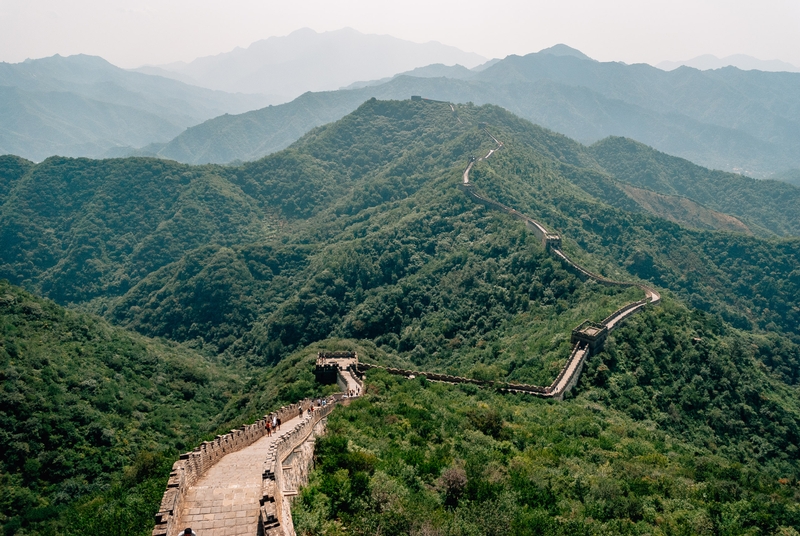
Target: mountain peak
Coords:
[(564, 50), (307, 60), (744, 62)]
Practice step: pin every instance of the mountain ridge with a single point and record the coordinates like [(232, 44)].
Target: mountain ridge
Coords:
[(278, 65), (741, 61), (357, 237), (741, 121), (82, 106)]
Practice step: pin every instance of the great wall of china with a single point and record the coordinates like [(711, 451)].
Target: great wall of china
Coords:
[(242, 483)]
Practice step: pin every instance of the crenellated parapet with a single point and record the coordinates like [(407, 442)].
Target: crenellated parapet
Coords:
[(192, 465), (275, 518)]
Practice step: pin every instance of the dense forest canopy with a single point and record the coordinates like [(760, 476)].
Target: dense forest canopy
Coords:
[(358, 237)]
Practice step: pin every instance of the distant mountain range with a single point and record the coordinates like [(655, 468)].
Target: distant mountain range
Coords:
[(286, 67), (729, 119), (740, 61), (792, 176), (84, 106)]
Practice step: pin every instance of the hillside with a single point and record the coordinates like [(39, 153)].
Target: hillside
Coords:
[(778, 204), (358, 237), (87, 407), (93, 415), (83, 106), (651, 445), (364, 188), (791, 176), (741, 121)]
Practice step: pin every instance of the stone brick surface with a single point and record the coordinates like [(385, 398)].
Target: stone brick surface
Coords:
[(224, 501)]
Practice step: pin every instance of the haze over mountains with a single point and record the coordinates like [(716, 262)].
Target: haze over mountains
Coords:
[(740, 61), (83, 106), (287, 66), (728, 119)]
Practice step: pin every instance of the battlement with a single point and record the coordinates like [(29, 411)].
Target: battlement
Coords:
[(552, 240), (337, 355), (591, 333)]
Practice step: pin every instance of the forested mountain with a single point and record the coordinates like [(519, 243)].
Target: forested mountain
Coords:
[(93, 416), (743, 121), (160, 227), (358, 236), (82, 106), (635, 163), (87, 407)]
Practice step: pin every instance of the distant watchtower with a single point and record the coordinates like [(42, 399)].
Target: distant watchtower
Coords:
[(330, 363), (591, 333), (552, 241), (416, 97)]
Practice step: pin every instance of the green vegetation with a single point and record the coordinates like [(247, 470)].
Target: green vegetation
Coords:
[(357, 237), (93, 416), (88, 408), (792, 176), (300, 246), (768, 206), (646, 447)]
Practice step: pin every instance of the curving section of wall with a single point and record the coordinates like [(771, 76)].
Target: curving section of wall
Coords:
[(192, 465), (587, 338)]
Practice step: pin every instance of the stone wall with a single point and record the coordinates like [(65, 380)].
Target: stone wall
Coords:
[(583, 347), (192, 465), (546, 238), (275, 517)]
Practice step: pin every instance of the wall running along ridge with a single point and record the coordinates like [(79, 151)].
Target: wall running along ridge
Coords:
[(587, 338), (275, 517)]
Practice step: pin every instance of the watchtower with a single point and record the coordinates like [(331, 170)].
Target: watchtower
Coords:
[(592, 333), (552, 241), (330, 363)]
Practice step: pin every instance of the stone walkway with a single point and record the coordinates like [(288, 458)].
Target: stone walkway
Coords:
[(224, 502)]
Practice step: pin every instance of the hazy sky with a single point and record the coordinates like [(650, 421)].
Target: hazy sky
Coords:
[(132, 33)]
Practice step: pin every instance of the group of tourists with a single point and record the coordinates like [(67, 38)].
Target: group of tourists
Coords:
[(272, 425), (354, 392), (315, 405)]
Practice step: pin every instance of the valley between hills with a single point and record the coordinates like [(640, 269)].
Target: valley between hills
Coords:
[(165, 303)]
